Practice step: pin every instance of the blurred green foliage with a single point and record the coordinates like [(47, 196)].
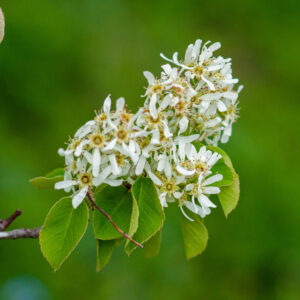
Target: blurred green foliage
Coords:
[(58, 62)]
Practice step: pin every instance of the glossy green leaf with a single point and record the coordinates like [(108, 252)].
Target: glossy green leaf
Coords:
[(229, 196), (134, 220), (221, 168), (48, 181), (104, 252), (56, 172), (151, 215), (63, 229), (117, 202), (151, 247), (195, 235)]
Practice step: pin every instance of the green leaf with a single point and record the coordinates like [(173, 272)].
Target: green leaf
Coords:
[(134, 220), (104, 252), (221, 168), (151, 215), (56, 172), (48, 181), (62, 231), (120, 241), (195, 235), (117, 202), (229, 196), (152, 246)]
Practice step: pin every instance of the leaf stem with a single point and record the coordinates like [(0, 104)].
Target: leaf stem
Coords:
[(90, 197)]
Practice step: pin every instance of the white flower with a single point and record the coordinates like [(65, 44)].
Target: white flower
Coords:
[(193, 101)]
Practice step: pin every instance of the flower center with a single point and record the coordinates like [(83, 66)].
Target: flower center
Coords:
[(200, 167), (122, 135), (180, 106), (198, 70), (169, 187), (85, 179), (97, 140), (154, 121), (157, 88), (125, 117)]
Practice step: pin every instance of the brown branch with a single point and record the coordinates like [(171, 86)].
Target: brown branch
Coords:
[(21, 233), (112, 222), (17, 233), (4, 223)]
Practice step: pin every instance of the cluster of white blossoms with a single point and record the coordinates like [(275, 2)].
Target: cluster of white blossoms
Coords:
[(194, 101)]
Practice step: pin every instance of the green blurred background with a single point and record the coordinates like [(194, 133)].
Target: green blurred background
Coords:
[(58, 62)]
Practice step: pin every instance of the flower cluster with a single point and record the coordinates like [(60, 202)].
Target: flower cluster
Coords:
[(193, 102)]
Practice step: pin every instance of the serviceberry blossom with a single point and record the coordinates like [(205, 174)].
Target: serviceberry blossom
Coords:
[(193, 101)]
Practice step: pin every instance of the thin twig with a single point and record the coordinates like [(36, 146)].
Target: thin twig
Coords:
[(6, 222), (112, 222), (21, 233)]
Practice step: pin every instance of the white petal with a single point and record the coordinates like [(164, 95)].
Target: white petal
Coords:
[(188, 54), (106, 105), (214, 47), (211, 190), (79, 148), (163, 199), (189, 187), (140, 165), (153, 177), (183, 212), (166, 101), (167, 68), (187, 139), (183, 124), (88, 156), (213, 159), (114, 165), (210, 97), (231, 81), (177, 195), (110, 145), (85, 129), (221, 106), (79, 197), (96, 162), (210, 84), (196, 49), (65, 184), (230, 95), (120, 104), (167, 132), (213, 179), (161, 163), (205, 201), (181, 150), (185, 172), (155, 137), (149, 76), (168, 168), (113, 182), (102, 176), (152, 107)]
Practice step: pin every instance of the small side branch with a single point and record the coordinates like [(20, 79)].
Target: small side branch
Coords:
[(21, 233), (90, 197), (4, 223)]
